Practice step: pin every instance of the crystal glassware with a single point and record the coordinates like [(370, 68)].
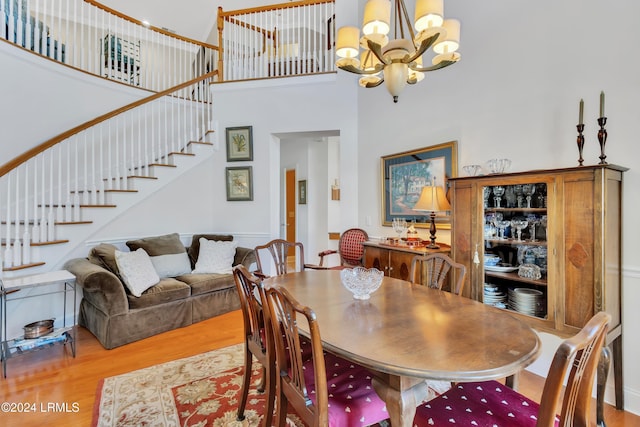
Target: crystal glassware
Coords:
[(399, 225), (472, 170), (519, 224), (360, 281), (528, 190), (502, 225), (486, 192), (498, 192), (533, 222), (499, 165)]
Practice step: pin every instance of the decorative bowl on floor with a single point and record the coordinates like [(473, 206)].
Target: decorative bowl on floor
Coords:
[(360, 281)]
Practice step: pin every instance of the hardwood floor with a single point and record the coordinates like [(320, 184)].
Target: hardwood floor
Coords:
[(61, 389)]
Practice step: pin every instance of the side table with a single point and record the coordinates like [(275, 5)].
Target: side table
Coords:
[(65, 334)]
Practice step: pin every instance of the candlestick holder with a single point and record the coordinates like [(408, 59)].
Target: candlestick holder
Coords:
[(580, 142), (602, 139)]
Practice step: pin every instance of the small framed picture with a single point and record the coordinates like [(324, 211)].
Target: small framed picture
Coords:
[(302, 192), (239, 143), (239, 183)]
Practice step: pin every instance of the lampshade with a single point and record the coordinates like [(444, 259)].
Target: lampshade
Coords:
[(432, 199), (348, 42), (428, 13), (452, 39), (377, 16)]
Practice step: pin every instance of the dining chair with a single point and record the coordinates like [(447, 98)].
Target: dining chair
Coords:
[(432, 270), (279, 249), (491, 403), (256, 343), (304, 385), (350, 249)]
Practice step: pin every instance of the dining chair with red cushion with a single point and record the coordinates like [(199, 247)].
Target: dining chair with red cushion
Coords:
[(491, 403), (350, 249), (326, 390), (256, 343)]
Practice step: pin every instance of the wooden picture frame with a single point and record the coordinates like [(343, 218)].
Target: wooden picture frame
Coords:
[(239, 183), (302, 192), (403, 176), (239, 143)]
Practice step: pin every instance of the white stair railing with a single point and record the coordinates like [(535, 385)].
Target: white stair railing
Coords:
[(289, 39), (48, 185), (89, 36)]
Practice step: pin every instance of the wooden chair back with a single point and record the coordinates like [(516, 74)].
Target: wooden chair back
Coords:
[(579, 357), (432, 270), (279, 250), (256, 340), (292, 389)]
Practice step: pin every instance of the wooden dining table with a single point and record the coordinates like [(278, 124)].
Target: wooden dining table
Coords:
[(406, 334)]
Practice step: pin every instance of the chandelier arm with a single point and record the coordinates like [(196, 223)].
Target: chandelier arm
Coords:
[(402, 7), (356, 70), (377, 51), (433, 67), (370, 85), (426, 44)]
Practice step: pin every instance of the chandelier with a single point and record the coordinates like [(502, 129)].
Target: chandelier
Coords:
[(398, 61)]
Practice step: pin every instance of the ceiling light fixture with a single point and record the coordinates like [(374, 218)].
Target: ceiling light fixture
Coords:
[(398, 60)]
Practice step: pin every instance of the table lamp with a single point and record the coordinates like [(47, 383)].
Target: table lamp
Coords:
[(432, 199)]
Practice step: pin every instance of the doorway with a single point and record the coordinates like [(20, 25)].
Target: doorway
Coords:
[(290, 208)]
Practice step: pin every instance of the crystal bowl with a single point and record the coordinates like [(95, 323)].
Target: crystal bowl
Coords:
[(499, 165), (360, 281), (472, 170)]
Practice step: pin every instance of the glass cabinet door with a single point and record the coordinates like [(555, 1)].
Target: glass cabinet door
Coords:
[(515, 247)]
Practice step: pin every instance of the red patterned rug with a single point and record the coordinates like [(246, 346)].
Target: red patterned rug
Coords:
[(196, 391)]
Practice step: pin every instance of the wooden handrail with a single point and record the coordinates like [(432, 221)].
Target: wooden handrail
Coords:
[(271, 7), (29, 154), (151, 27)]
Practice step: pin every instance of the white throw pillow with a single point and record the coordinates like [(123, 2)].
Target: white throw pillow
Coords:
[(136, 271), (171, 265), (215, 256)]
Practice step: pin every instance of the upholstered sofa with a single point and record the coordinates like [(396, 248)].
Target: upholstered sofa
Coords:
[(182, 295)]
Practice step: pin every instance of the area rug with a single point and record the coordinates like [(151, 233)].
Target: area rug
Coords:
[(195, 391)]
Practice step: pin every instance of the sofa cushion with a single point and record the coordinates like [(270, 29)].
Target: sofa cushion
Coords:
[(205, 283), (194, 249), (215, 257), (136, 271), (166, 290), (104, 255), (168, 254)]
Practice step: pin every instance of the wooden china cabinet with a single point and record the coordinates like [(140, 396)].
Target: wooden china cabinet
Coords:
[(564, 264)]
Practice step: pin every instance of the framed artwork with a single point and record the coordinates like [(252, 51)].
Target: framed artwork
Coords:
[(239, 143), (302, 192), (404, 175), (239, 183)]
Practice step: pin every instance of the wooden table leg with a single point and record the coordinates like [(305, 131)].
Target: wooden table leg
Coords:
[(402, 395)]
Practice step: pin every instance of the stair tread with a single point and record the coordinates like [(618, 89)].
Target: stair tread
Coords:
[(23, 266)]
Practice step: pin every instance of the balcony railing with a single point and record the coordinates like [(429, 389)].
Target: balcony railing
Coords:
[(102, 41), (280, 40)]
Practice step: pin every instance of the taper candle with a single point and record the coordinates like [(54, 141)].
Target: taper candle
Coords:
[(580, 116), (602, 104)]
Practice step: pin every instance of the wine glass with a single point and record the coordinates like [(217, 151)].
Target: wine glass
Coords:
[(519, 224), (528, 190), (519, 195), (502, 225), (498, 192), (486, 192), (533, 221), (399, 225)]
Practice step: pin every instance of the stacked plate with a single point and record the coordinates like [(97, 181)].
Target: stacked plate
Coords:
[(527, 301), (494, 296)]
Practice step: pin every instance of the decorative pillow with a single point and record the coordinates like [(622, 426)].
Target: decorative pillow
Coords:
[(215, 256), (136, 271), (194, 249), (168, 254), (104, 255)]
